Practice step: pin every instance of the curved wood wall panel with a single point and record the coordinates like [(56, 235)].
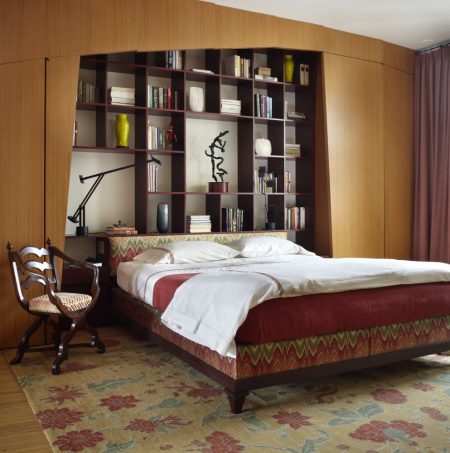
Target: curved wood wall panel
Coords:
[(399, 160), (22, 180), (322, 223), (353, 109), (61, 86), (54, 28)]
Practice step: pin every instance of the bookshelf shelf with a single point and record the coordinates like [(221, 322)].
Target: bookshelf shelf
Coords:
[(171, 72)]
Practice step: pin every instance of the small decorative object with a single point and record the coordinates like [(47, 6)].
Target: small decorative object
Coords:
[(171, 136), (122, 130), (263, 147), (196, 99), (162, 218), (288, 67), (271, 216), (216, 164)]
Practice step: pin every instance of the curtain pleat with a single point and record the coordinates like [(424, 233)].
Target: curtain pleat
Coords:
[(432, 156)]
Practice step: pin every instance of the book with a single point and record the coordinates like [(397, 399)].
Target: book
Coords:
[(204, 71), (296, 116), (122, 89), (263, 71), (122, 94), (266, 78)]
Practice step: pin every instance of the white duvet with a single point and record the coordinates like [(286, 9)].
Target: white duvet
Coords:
[(209, 307)]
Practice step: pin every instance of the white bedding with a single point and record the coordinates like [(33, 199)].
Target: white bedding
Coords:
[(209, 307)]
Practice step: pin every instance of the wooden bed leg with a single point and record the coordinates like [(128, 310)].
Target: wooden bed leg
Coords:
[(236, 400)]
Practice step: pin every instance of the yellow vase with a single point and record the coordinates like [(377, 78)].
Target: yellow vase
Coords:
[(122, 130), (288, 68)]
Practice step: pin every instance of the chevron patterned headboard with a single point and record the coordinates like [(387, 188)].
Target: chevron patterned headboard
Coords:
[(125, 248)]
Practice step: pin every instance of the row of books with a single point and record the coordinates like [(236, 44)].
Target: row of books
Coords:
[(292, 150), (237, 66), (87, 92), (152, 178), (121, 231), (163, 98), (198, 224), (295, 218), (121, 96), (265, 182), (263, 105), (232, 219), (230, 106), (157, 138), (173, 59)]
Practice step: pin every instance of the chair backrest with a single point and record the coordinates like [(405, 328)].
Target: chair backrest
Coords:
[(31, 265)]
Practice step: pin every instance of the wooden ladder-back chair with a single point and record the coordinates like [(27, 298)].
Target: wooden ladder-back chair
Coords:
[(33, 265)]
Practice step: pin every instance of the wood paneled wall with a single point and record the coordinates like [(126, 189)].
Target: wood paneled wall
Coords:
[(398, 162), (354, 136), (353, 112), (61, 85), (22, 179)]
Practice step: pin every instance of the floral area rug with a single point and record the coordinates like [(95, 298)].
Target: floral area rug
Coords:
[(138, 398)]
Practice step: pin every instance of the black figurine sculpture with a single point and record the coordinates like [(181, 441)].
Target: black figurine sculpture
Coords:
[(216, 161)]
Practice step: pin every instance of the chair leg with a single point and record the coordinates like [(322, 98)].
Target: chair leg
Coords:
[(62, 349), (24, 341), (95, 339)]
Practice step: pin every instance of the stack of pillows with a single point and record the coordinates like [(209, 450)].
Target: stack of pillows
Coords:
[(185, 252)]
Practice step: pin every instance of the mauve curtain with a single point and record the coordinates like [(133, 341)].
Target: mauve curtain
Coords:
[(432, 156)]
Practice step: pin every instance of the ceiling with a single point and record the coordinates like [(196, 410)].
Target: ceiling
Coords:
[(415, 24)]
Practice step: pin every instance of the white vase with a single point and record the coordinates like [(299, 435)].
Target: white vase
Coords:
[(196, 99), (263, 147)]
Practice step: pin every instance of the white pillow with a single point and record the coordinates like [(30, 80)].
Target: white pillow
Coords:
[(257, 246), (186, 252)]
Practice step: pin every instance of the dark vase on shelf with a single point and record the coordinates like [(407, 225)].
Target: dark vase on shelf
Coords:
[(162, 218)]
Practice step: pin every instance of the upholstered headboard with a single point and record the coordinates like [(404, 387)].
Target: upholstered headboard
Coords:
[(124, 248)]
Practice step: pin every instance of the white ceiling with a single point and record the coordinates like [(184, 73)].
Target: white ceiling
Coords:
[(410, 23)]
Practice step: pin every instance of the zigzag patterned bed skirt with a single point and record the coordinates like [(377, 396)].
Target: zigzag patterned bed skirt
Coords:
[(275, 357)]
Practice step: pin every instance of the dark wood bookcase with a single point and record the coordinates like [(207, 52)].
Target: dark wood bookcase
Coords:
[(141, 67)]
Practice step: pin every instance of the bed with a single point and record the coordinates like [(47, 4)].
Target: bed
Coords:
[(289, 337)]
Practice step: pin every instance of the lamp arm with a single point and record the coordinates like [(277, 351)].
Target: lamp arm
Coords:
[(78, 216), (152, 159)]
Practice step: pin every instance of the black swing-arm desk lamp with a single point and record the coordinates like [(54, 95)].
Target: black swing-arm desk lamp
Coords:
[(79, 214)]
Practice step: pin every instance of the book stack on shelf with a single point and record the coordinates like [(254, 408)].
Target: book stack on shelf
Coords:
[(152, 178), (237, 66), (173, 59), (157, 138), (263, 105), (287, 181), (162, 98), (292, 150), (263, 73), (87, 92), (296, 116), (295, 218), (121, 96), (198, 224), (121, 230), (265, 182), (230, 106), (232, 219), (304, 74)]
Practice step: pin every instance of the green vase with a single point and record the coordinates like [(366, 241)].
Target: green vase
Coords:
[(288, 68), (122, 130)]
